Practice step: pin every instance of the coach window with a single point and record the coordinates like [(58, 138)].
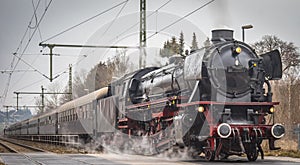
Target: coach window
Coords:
[(72, 112), (64, 116), (70, 115), (89, 111), (124, 89), (85, 111), (82, 112), (67, 115), (82, 115), (50, 120), (98, 105)]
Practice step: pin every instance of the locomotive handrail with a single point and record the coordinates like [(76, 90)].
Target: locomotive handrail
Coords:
[(228, 103), (158, 101)]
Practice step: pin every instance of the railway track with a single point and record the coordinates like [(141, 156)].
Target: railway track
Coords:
[(15, 147), (19, 151)]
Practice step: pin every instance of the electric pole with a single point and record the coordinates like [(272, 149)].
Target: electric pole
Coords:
[(7, 119), (42, 95), (142, 59), (51, 58), (17, 101), (70, 82)]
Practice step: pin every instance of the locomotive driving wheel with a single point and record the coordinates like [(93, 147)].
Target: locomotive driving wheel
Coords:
[(209, 155), (209, 151), (252, 153)]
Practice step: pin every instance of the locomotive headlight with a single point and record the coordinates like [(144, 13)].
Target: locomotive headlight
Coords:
[(201, 109), (272, 110), (238, 50), (277, 131)]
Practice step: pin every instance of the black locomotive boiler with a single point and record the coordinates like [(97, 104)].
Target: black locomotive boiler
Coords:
[(215, 101)]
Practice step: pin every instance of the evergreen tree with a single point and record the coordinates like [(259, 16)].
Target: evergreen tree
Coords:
[(194, 42), (174, 46), (170, 48), (206, 43), (181, 44)]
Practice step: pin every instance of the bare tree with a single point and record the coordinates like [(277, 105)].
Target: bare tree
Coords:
[(79, 88), (289, 54), (38, 102), (120, 64), (65, 97), (98, 77), (52, 100), (284, 91)]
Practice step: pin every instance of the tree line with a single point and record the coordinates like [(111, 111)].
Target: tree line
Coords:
[(172, 46)]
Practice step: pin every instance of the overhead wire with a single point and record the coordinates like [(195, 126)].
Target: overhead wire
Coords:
[(32, 67), (29, 40), (25, 33), (87, 20), (137, 23), (37, 27), (28, 27), (58, 73), (166, 27), (111, 23), (18, 48), (13, 66), (180, 19), (116, 17), (36, 20), (34, 15)]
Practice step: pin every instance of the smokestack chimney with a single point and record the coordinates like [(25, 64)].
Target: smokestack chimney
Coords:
[(219, 35)]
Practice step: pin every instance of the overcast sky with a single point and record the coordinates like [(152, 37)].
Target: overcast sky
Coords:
[(269, 17)]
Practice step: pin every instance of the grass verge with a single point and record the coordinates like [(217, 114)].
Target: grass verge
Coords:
[(286, 153)]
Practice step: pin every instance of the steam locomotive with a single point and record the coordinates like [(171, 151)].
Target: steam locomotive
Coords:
[(216, 101)]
